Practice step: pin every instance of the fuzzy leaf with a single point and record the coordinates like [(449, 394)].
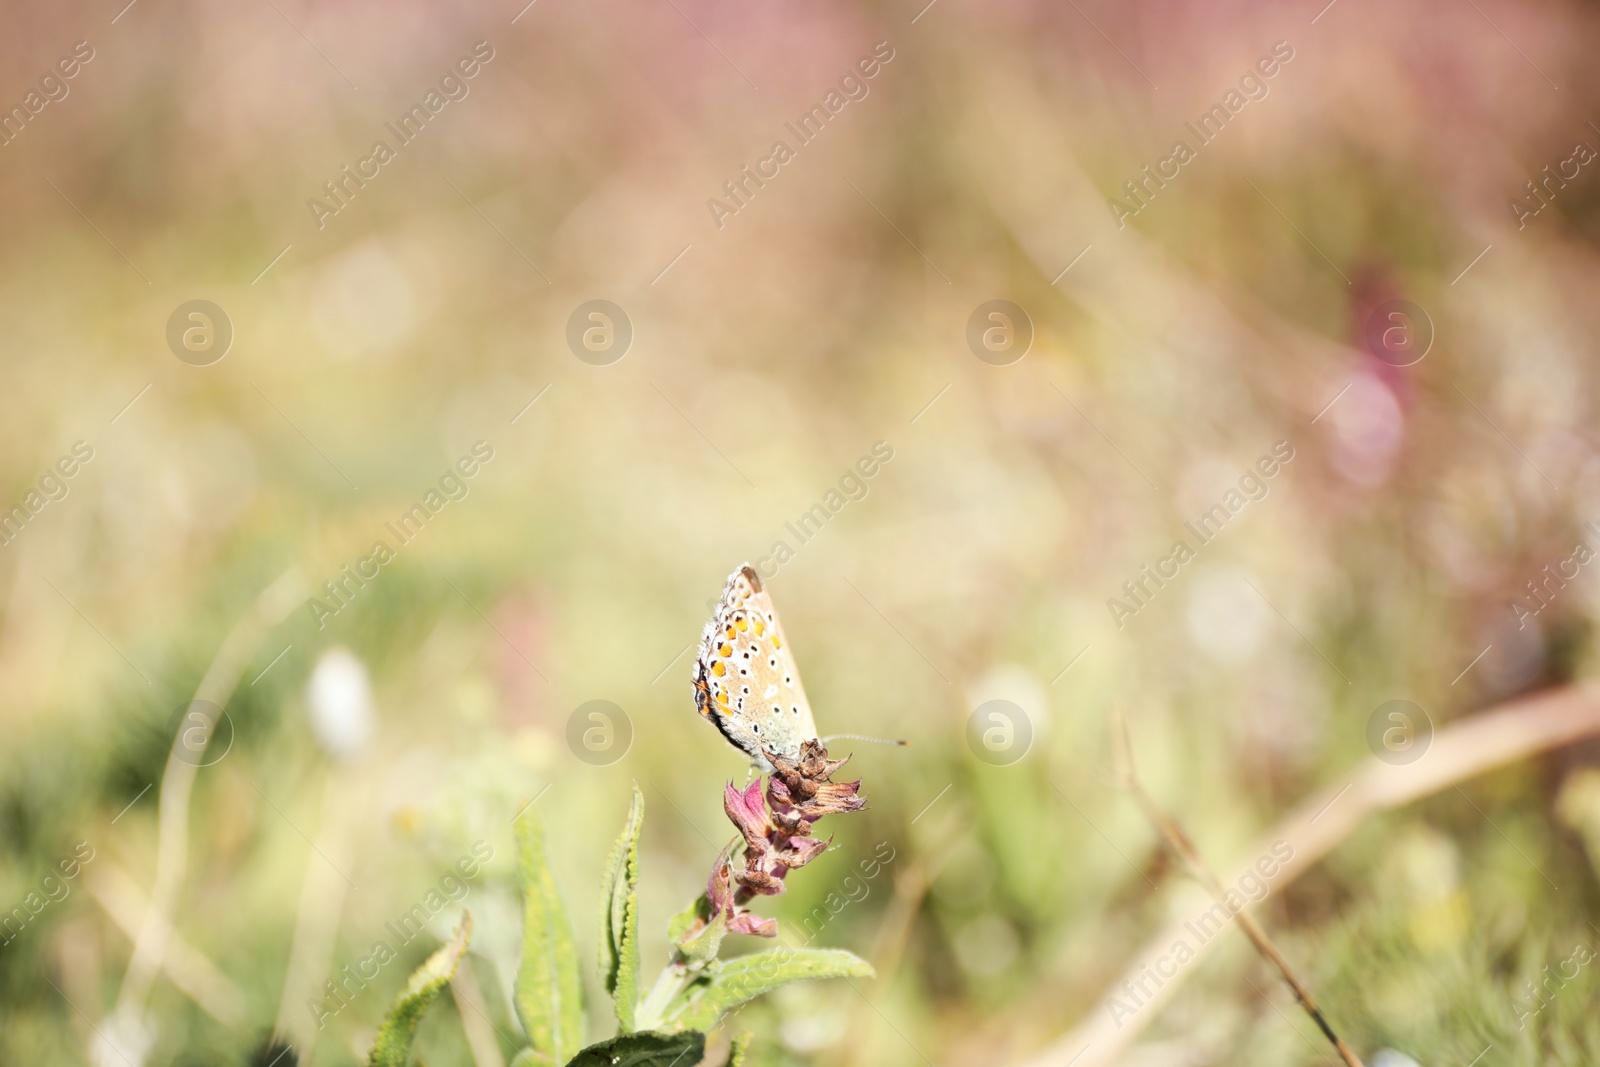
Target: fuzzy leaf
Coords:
[(747, 977), (703, 947), (698, 946), (392, 1046), (549, 993), (683, 922), (619, 918), (647, 1049)]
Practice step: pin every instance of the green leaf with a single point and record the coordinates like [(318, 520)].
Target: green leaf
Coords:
[(646, 1049), (747, 977), (529, 1058), (697, 946), (549, 994), (392, 1046), (681, 923), (619, 917), (740, 1046)]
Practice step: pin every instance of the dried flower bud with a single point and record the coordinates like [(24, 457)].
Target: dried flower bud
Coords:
[(777, 829), (720, 895), (748, 922)]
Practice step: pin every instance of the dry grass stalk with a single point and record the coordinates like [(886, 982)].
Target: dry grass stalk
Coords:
[(1185, 848), (1490, 739)]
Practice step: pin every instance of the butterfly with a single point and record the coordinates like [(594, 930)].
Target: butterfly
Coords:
[(745, 679)]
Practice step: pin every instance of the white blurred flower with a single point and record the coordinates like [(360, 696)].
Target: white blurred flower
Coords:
[(1009, 681), (1388, 1057), (1227, 619), (809, 1025), (340, 698), (364, 304)]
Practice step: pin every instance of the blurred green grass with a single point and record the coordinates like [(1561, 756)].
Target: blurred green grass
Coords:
[(770, 357)]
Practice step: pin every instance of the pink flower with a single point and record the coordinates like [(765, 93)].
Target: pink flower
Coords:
[(747, 812), (777, 830)]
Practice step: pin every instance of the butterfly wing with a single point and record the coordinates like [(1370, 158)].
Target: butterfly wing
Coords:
[(745, 678)]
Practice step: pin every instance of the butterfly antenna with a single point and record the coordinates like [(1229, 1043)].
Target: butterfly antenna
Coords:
[(862, 737)]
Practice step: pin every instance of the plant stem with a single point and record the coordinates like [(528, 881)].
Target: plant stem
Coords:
[(654, 1006), (177, 783)]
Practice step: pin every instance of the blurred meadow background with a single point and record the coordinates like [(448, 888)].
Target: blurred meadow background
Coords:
[(815, 326)]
